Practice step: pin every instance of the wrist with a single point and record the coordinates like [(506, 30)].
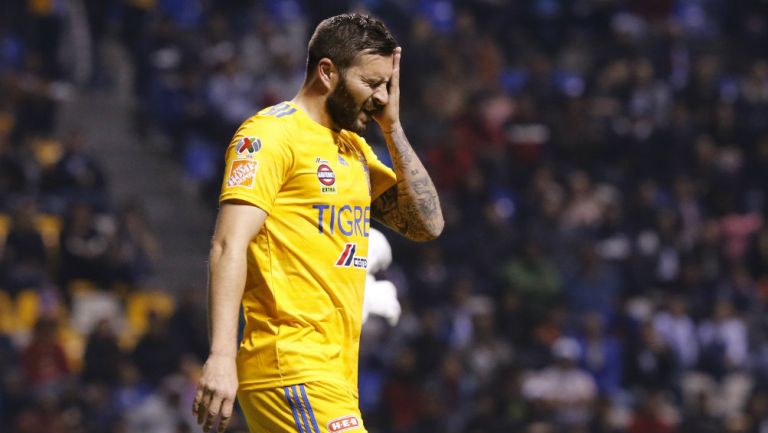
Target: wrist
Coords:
[(391, 128), (222, 353)]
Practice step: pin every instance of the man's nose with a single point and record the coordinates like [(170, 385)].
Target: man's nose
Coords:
[(381, 96)]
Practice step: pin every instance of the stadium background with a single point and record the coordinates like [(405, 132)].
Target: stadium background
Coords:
[(603, 167)]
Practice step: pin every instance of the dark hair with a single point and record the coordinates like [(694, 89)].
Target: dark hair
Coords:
[(342, 37)]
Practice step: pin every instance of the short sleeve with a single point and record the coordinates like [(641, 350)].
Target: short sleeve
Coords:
[(258, 161), (382, 177)]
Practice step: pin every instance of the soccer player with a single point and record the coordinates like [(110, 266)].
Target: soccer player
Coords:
[(291, 237)]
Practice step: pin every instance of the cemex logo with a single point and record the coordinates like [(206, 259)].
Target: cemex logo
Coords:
[(344, 423), (347, 258)]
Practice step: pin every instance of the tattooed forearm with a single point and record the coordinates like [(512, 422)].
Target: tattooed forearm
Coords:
[(412, 207)]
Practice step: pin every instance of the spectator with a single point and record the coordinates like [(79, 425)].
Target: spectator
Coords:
[(83, 246), (535, 277), (487, 354), (133, 249), (102, 355), (24, 257), (157, 354), (563, 388), (677, 330), (653, 415), (723, 341), (650, 362), (701, 417), (13, 178), (601, 355), (44, 362), (77, 175)]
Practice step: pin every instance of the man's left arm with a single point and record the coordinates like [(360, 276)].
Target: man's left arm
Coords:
[(412, 206)]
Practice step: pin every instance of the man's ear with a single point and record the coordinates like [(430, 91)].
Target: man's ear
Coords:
[(327, 73)]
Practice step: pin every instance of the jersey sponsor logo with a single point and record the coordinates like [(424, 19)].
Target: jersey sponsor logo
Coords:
[(349, 220), (348, 259), (344, 423), (248, 145), (242, 173), (327, 178), (325, 175)]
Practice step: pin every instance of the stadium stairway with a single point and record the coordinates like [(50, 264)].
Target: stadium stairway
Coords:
[(135, 169)]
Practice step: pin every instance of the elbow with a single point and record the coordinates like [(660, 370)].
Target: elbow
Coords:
[(437, 229), (431, 231), (217, 247), (220, 247)]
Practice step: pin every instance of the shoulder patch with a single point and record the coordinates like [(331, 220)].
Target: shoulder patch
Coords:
[(248, 145)]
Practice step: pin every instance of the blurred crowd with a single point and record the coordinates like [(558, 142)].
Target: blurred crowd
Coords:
[(602, 164)]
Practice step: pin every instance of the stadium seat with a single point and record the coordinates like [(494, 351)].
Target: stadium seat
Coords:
[(47, 151), (7, 314), (138, 306), (27, 309), (73, 343), (5, 226), (49, 226), (80, 286)]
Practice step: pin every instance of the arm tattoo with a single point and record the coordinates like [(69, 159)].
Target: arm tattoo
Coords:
[(412, 207)]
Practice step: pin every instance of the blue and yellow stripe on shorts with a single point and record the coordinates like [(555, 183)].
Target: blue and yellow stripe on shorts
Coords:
[(303, 414)]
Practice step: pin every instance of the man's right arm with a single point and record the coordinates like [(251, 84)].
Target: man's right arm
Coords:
[(236, 225)]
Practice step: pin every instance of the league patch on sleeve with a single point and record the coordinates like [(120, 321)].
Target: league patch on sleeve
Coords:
[(248, 146), (242, 173)]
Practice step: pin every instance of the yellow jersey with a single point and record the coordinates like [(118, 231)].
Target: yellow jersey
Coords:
[(306, 268)]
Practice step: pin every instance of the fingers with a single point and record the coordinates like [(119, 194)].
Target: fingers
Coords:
[(213, 411), (198, 400), (208, 405), (396, 67), (226, 414), (204, 406)]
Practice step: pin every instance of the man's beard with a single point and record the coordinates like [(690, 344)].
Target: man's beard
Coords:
[(343, 110)]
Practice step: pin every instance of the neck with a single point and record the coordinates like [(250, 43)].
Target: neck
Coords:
[(313, 103)]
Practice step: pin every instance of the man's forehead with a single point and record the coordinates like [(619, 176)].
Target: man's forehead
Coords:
[(368, 63)]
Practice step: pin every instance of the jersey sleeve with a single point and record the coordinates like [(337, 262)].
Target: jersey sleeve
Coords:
[(382, 177), (258, 161)]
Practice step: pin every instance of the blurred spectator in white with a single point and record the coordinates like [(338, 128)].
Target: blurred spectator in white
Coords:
[(676, 327), (584, 209), (232, 92), (486, 354), (723, 338), (724, 356), (563, 388)]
